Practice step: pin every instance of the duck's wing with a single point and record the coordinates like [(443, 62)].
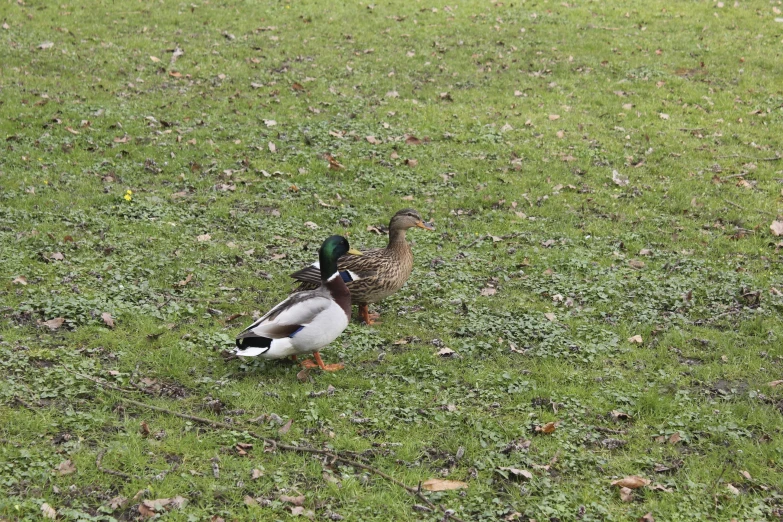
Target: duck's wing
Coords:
[(351, 268), (284, 320)]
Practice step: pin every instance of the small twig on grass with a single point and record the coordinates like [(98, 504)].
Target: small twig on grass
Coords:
[(99, 465), (416, 492), (24, 403), (609, 430), (773, 158), (737, 205)]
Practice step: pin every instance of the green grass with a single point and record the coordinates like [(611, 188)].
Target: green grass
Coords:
[(684, 100)]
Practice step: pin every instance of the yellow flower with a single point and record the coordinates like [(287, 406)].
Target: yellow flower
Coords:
[(129, 192), (127, 197)]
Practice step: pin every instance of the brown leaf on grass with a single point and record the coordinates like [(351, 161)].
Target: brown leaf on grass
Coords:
[(66, 467), (55, 323), (58, 256), (256, 474), (772, 384), (619, 180), (394, 155), (333, 163), (185, 281), (117, 502), (746, 475), (553, 117), (303, 375), (635, 339), (48, 511), (272, 147), (250, 501), (412, 140), (144, 429), (733, 490), (647, 517), (20, 280), (435, 484), (645, 252), (287, 426), (777, 228), (296, 501), (46, 45), (446, 352), (637, 264), (108, 319), (411, 162), (300, 511), (550, 317), (547, 428), (297, 86), (675, 438), (488, 291), (517, 473), (203, 237), (618, 415), (631, 482), (373, 140), (626, 494)]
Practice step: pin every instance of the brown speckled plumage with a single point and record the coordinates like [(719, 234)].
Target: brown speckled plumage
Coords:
[(381, 271)]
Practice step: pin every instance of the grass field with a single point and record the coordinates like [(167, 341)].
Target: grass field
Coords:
[(605, 179)]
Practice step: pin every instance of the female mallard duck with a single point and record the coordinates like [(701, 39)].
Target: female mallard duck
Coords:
[(307, 321), (378, 273)]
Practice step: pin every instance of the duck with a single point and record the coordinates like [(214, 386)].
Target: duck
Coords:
[(305, 322), (377, 273)]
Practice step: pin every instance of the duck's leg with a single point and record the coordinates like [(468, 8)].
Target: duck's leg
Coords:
[(308, 363), (367, 317), (327, 367)]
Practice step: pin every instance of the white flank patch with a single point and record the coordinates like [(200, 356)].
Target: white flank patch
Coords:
[(331, 277)]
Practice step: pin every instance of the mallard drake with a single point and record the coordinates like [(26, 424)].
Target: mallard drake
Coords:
[(378, 273), (307, 321)]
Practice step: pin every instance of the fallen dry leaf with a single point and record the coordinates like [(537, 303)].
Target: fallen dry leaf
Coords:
[(746, 475), (303, 375), (46, 45), (553, 117), (58, 256), (772, 384), (645, 252), (547, 428), (20, 280), (108, 319), (203, 237), (733, 490), (446, 352), (256, 474), (55, 323), (373, 140), (636, 264), (663, 116), (631, 482), (675, 438), (550, 317), (287, 426), (618, 415), (777, 228), (412, 140), (144, 429), (117, 502), (647, 517), (435, 484), (272, 147), (66, 467), (48, 511), (185, 281), (635, 339), (626, 494), (517, 473), (619, 180), (488, 291), (296, 501), (411, 162)]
